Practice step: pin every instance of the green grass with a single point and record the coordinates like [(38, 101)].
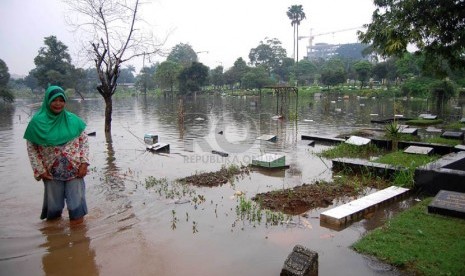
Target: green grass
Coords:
[(454, 125), (351, 151), (423, 243), (444, 141), (405, 178), (399, 158), (423, 122)]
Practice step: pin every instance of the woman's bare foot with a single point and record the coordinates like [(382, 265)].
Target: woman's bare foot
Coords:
[(74, 222)]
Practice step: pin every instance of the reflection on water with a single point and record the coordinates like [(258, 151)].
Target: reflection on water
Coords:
[(129, 227), (68, 251)]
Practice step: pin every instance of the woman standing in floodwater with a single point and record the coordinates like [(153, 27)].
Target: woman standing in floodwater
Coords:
[(59, 154)]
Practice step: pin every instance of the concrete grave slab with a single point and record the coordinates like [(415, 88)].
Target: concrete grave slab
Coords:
[(270, 160), (409, 130), (448, 203), (433, 129), (150, 139), (460, 147), (452, 135), (428, 116), (349, 212), (418, 150), (358, 141), (159, 147)]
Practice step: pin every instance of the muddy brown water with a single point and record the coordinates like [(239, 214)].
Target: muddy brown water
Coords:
[(173, 230)]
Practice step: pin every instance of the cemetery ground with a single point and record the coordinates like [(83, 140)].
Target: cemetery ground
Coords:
[(419, 242), (414, 241)]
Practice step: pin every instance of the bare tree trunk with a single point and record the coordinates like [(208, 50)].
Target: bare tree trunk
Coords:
[(108, 112)]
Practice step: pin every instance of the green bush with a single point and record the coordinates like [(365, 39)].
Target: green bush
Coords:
[(417, 87)]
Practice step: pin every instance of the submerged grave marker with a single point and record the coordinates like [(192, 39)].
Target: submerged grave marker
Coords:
[(267, 137), (158, 147), (448, 203), (150, 139), (270, 160), (301, 262), (358, 141), (419, 150), (428, 116), (345, 214)]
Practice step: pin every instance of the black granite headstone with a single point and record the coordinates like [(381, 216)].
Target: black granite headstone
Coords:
[(452, 135), (301, 262), (448, 203)]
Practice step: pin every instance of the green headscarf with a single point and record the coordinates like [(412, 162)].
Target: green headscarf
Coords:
[(49, 129)]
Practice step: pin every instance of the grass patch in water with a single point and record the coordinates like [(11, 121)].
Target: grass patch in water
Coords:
[(423, 122), (351, 151), (443, 141), (405, 178), (426, 244), (399, 158)]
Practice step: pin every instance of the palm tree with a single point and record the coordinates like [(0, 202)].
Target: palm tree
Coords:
[(296, 15)]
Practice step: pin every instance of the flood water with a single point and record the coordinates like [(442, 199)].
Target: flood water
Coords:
[(174, 230)]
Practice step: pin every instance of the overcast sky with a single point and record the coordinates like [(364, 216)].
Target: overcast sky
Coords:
[(226, 29)]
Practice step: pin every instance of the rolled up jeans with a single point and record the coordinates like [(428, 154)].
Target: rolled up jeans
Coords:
[(57, 192)]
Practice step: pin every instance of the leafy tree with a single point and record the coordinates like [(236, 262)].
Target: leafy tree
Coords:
[(217, 77), (5, 92), (408, 65), (380, 71), (79, 77), (115, 38), (126, 75), (145, 80), (296, 14), (256, 77), (417, 87), (333, 72), (332, 77), (192, 78), (306, 71), (167, 74), (436, 28), (442, 91), (53, 64), (363, 69), (284, 69), (269, 54), (30, 81), (236, 72), (182, 54)]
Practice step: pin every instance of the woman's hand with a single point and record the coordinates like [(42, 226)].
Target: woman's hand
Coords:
[(82, 171), (46, 176)]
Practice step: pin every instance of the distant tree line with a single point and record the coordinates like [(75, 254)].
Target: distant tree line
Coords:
[(381, 59)]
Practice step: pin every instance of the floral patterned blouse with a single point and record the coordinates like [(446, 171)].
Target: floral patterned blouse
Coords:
[(63, 161)]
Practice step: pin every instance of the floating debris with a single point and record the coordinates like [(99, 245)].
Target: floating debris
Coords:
[(150, 139), (267, 137), (158, 147), (223, 154)]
